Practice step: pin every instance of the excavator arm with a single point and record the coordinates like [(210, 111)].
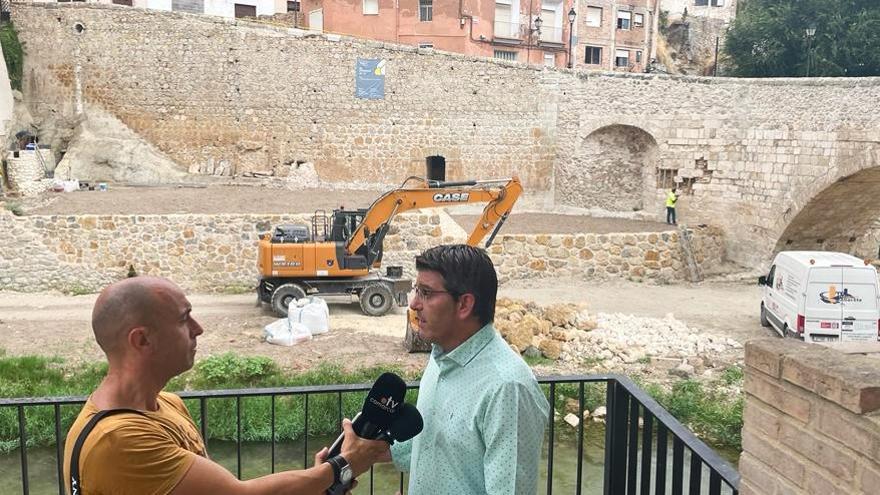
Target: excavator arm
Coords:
[(498, 194)]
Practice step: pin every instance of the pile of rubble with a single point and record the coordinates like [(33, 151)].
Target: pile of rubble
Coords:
[(569, 334), (534, 330)]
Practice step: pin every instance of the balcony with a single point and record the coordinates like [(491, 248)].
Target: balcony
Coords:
[(551, 35), (508, 31), (640, 448)]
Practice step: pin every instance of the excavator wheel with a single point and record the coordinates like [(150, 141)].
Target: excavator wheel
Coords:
[(376, 299), (284, 296)]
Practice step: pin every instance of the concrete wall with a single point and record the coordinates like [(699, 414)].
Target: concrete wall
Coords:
[(749, 155), (213, 252), (810, 420)]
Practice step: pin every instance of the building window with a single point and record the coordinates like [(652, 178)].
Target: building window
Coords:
[(505, 55), (717, 3), (701, 3), (426, 10), (427, 46), (293, 6), (638, 20), (371, 7), (623, 19), (593, 55), (245, 10), (638, 56), (505, 27), (594, 16), (621, 58)]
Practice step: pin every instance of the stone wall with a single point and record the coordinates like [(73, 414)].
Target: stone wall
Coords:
[(749, 154), (218, 252), (810, 422), (637, 256), (27, 171)]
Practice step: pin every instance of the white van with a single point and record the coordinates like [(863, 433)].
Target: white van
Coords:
[(820, 296)]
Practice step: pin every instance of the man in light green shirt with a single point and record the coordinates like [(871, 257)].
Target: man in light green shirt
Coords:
[(483, 410)]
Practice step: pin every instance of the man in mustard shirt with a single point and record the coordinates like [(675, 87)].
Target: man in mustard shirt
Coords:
[(145, 327), (483, 410)]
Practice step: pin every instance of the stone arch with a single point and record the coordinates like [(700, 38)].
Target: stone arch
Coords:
[(608, 169), (843, 216)]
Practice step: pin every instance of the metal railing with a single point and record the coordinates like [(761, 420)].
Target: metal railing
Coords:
[(637, 454), (551, 34), (4, 10), (509, 30)]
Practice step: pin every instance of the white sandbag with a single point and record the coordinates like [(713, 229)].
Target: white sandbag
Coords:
[(314, 315), (282, 332)]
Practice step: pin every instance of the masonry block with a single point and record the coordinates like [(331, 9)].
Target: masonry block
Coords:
[(783, 461), (868, 476), (786, 399), (764, 356), (760, 479), (761, 419), (819, 450), (857, 433)]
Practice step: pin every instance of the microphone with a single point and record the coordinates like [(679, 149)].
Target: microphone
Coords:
[(408, 424), (380, 409)]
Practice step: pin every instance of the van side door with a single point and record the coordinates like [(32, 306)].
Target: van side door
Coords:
[(771, 300)]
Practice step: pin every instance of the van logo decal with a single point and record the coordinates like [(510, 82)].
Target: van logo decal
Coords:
[(834, 297)]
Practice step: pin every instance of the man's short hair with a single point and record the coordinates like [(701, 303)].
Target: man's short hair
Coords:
[(465, 270)]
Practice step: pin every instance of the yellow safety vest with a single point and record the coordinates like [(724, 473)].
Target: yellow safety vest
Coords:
[(671, 198)]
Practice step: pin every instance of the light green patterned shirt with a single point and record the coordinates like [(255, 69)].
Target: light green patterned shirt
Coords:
[(484, 419)]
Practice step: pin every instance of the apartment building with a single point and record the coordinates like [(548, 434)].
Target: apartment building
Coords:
[(616, 35), (528, 31)]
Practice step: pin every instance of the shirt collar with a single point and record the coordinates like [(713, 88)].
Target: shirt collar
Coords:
[(468, 350)]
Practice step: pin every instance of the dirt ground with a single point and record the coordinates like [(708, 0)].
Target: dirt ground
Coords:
[(58, 325)]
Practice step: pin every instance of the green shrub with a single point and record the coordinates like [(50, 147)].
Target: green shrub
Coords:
[(13, 54)]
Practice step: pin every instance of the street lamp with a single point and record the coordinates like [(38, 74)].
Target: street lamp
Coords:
[(809, 32), (538, 23), (571, 15)]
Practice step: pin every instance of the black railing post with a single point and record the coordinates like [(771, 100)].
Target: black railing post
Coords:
[(5, 14), (22, 445), (59, 449), (617, 411)]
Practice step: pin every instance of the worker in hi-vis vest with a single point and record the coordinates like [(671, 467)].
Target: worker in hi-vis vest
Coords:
[(671, 198)]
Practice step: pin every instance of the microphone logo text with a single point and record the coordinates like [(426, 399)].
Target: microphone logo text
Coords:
[(387, 404)]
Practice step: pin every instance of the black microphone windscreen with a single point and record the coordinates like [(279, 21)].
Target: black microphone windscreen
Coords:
[(384, 400), (407, 424)]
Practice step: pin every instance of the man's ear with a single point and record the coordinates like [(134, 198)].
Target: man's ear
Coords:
[(466, 305), (139, 338)]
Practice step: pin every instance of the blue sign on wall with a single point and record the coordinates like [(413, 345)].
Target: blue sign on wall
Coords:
[(370, 79)]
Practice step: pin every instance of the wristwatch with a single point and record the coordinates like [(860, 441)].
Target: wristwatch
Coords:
[(342, 473)]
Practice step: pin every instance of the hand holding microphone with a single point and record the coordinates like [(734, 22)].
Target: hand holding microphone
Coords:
[(384, 416)]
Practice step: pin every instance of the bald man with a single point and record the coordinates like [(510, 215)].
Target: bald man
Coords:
[(145, 327)]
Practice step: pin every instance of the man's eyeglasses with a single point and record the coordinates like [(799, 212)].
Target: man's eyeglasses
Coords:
[(424, 293)]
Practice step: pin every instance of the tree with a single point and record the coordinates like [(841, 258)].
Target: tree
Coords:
[(769, 38)]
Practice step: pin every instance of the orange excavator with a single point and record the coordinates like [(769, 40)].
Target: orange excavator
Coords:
[(296, 261)]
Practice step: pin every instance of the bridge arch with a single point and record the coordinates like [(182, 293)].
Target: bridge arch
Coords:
[(608, 169), (842, 216)]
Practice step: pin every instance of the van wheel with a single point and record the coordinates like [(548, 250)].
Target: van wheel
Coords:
[(284, 296), (764, 321), (376, 299)]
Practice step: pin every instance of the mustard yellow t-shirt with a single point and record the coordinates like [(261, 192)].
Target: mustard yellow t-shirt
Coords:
[(131, 454)]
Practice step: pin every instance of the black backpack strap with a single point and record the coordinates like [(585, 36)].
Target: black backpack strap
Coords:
[(75, 484)]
